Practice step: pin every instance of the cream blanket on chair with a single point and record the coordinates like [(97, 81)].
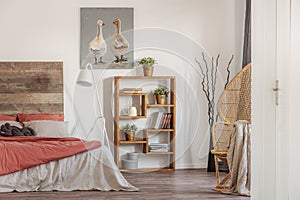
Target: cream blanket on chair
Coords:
[(239, 159)]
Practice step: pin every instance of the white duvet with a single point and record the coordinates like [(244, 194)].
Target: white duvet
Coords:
[(92, 170)]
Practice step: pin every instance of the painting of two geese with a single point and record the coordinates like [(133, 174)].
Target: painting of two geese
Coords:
[(106, 38)]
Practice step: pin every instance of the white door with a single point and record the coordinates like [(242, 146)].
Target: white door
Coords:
[(294, 103), (283, 32), (264, 41), (287, 111), (276, 53)]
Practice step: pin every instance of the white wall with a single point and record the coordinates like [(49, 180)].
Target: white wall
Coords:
[(50, 30)]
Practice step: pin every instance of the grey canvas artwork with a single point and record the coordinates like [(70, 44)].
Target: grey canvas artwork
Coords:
[(106, 38)]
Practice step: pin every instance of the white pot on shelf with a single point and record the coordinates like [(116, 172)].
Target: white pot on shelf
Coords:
[(132, 111)]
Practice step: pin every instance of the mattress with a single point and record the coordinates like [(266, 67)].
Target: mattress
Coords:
[(91, 170)]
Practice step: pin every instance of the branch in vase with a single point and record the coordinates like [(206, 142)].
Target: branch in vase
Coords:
[(228, 71)]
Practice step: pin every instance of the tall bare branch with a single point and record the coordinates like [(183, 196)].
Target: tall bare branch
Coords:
[(209, 82), (228, 71), (203, 79)]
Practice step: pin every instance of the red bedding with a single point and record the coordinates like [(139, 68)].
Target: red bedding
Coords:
[(18, 153)]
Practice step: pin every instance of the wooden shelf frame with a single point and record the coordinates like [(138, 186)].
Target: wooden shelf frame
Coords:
[(172, 131), (142, 96), (132, 94), (133, 142), (132, 117), (171, 142)]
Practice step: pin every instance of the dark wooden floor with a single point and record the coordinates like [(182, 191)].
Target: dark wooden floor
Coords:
[(181, 184)]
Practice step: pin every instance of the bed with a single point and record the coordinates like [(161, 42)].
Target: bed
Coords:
[(37, 87), (92, 170)]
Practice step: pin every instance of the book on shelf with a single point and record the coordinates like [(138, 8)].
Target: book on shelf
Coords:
[(155, 120), (159, 150), (159, 144), (132, 90), (159, 147), (161, 120), (167, 123)]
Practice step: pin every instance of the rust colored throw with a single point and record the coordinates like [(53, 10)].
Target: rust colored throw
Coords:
[(18, 153)]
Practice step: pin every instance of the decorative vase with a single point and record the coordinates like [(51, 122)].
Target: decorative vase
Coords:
[(161, 98), (130, 136), (132, 111), (148, 70)]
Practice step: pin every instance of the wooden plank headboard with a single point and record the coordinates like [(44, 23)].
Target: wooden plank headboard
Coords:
[(31, 87)]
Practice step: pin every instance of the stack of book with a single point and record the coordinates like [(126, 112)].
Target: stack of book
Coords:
[(159, 147), (132, 90), (161, 120)]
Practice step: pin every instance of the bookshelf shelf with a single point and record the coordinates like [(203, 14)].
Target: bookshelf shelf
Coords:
[(132, 94), (132, 117), (169, 132)]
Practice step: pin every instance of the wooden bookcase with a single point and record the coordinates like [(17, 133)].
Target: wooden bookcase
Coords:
[(170, 107)]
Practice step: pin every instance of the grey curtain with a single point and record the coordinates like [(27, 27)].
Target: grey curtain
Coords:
[(247, 35)]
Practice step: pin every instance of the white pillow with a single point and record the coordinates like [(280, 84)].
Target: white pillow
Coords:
[(49, 128), (12, 123)]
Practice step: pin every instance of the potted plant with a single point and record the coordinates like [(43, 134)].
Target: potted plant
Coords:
[(147, 63), (161, 94), (129, 130)]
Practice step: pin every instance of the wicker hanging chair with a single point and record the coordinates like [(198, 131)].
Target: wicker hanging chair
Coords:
[(234, 104)]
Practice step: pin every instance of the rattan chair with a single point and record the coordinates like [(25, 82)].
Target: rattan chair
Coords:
[(234, 104)]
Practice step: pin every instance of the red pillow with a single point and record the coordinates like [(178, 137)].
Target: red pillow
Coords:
[(31, 117), (8, 118)]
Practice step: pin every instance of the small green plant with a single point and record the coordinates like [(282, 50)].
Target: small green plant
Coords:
[(129, 127), (147, 61), (161, 91)]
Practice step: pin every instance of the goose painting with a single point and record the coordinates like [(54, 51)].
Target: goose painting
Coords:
[(119, 45), (108, 46), (98, 45)]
